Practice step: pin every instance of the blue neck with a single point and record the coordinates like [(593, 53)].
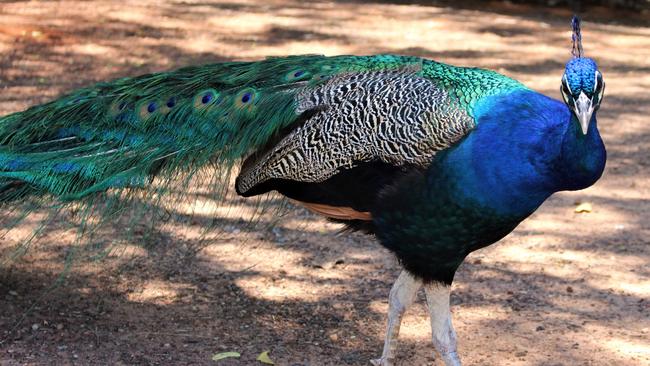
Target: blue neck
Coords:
[(525, 147), (584, 156)]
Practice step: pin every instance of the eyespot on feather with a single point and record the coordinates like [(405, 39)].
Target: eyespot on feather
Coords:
[(206, 99), (147, 108), (73, 101), (169, 104), (117, 107), (296, 75), (246, 98)]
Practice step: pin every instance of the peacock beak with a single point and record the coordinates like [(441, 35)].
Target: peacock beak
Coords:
[(583, 109)]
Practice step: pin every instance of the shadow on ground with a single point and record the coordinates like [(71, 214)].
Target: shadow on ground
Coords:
[(562, 289)]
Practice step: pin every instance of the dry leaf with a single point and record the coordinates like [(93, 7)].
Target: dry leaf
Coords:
[(264, 358), (584, 207), (223, 355)]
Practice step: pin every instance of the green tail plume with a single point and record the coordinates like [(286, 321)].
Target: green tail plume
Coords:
[(120, 134), (147, 133)]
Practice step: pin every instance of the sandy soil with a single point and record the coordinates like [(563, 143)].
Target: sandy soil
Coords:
[(563, 289)]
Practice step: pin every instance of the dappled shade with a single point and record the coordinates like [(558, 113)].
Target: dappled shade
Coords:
[(564, 288)]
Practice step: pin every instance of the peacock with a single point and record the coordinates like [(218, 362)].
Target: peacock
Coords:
[(434, 160)]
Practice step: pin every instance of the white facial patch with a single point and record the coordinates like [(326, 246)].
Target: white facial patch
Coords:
[(599, 85)]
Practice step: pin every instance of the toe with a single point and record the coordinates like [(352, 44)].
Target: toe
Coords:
[(380, 362)]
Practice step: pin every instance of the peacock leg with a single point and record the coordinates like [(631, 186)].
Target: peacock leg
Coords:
[(400, 298), (442, 332)]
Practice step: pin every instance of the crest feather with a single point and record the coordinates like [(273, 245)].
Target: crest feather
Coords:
[(576, 37)]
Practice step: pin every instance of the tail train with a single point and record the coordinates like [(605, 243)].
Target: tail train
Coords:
[(146, 132)]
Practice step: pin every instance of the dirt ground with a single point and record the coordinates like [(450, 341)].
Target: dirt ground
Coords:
[(565, 288)]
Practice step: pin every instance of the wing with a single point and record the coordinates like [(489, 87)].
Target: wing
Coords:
[(361, 132), (121, 133)]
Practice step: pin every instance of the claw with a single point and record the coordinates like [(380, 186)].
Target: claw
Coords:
[(451, 359), (381, 362)]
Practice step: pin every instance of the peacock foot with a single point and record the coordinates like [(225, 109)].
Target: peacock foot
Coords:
[(451, 359), (381, 362)]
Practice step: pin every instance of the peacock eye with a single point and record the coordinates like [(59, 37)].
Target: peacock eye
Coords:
[(601, 94), (565, 89), (599, 89), (599, 83)]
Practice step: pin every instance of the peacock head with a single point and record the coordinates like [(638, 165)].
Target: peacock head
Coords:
[(582, 84)]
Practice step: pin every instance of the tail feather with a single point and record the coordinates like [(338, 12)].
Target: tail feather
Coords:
[(151, 130), (113, 135), (116, 134)]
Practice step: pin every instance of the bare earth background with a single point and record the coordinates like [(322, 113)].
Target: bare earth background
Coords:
[(563, 289)]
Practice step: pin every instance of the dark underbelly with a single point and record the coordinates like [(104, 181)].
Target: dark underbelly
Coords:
[(431, 234)]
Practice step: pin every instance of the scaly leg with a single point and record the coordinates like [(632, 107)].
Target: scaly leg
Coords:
[(442, 332), (400, 298)]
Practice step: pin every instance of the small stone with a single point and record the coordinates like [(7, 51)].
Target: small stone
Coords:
[(167, 345), (539, 328), (35, 326), (351, 357), (521, 353), (334, 337), (13, 293), (59, 326), (569, 289)]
